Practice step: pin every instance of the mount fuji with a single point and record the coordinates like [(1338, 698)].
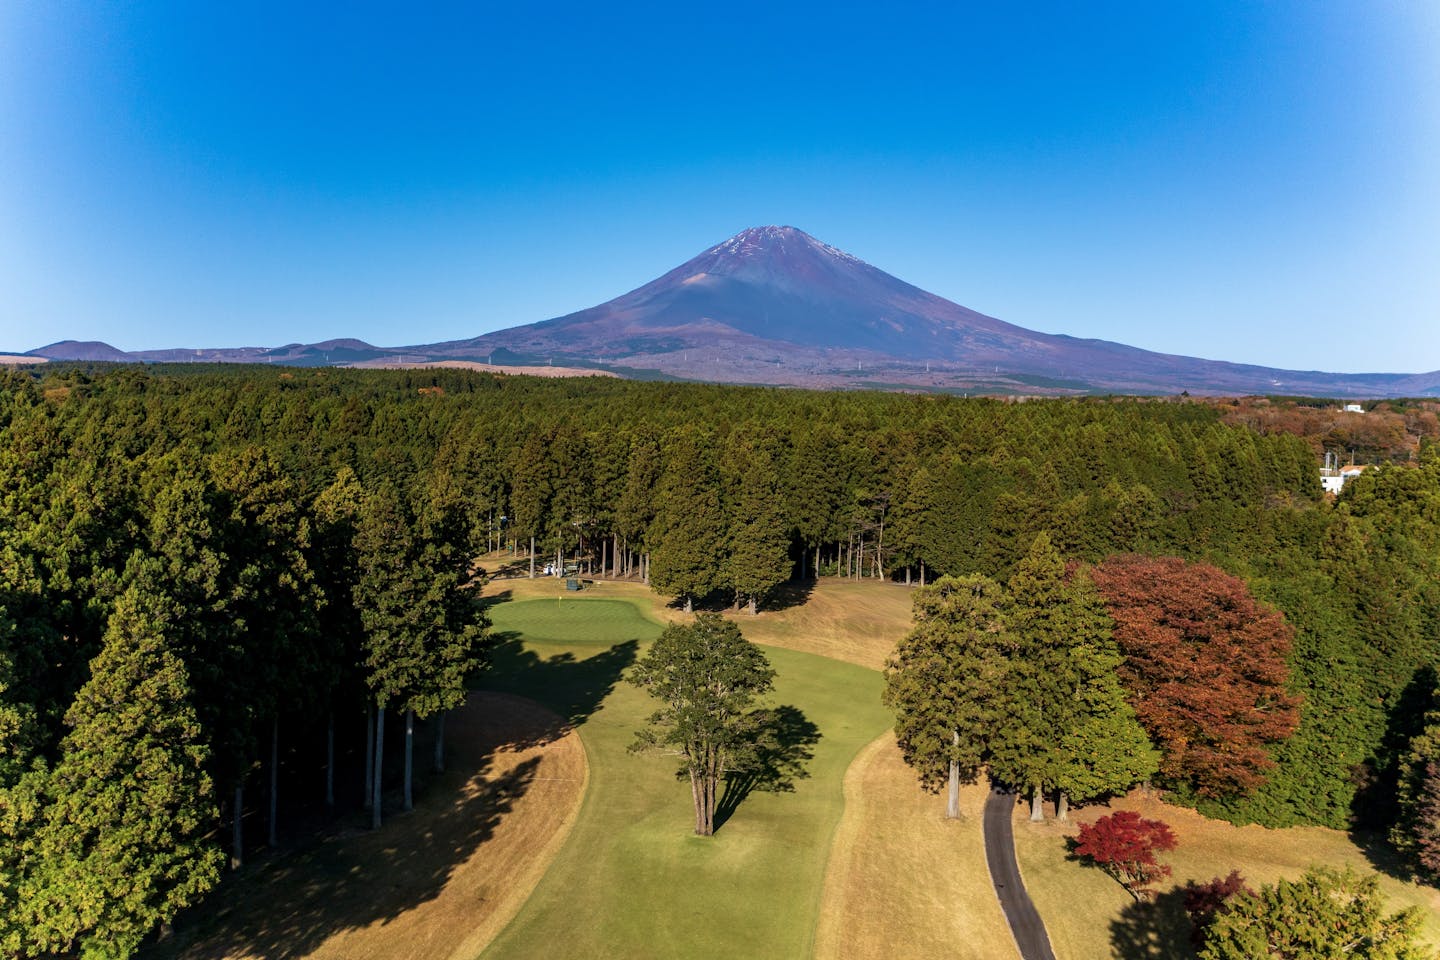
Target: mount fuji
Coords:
[(774, 305)]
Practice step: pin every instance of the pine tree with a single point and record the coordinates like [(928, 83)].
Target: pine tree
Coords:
[(122, 845), (391, 595)]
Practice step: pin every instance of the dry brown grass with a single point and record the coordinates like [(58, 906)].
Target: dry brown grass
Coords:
[(856, 622), (1089, 915), (439, 882), (902, 881), (384, 363)]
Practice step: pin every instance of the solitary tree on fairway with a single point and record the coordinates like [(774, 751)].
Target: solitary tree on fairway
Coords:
[(707, 678), (946, 682)]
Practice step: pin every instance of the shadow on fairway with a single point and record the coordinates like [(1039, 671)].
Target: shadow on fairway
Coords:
[(1156, 929), (572, 687), (786, 742), (290, 905)]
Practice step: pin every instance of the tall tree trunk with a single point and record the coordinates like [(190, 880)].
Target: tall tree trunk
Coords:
[(1062, 808), (379, 767), (907, 575), (922, 573), (817, 561), (273, 838), (369, 754), (330, 759), (698, 801), (880, 549), (952, 801), (532, 556), (1037, 799), (409, 757), (440, 741), (754, 607), (689, 605), (237, 829)]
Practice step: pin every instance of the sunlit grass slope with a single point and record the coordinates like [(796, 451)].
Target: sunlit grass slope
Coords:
[(632, 881), (902, 880), (1090, 916)]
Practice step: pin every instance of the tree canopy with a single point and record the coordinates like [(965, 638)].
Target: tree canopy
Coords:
[(707, 678)]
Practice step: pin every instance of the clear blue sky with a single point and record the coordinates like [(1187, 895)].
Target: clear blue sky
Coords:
[(1257, 182)]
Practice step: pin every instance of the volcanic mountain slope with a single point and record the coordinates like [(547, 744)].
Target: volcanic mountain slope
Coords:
[(775, 305)]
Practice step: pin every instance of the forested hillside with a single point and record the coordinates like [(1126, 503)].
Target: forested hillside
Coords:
[(251, 559)]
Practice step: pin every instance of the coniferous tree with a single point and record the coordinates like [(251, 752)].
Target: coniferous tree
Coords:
[(391, 596), (687, 535), (1103, 748), (758, 558), (1416, 833), (1326, 913), (947, 682), (122, 845), (1042, 675)]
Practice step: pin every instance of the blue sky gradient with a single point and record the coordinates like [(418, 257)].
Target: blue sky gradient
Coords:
[(1255, 182)]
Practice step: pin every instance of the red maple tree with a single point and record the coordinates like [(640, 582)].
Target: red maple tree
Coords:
[(1124, 845), (1204, 900), (1204, 667)]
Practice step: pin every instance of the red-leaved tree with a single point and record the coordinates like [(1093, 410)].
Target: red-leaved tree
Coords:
[(1124, 845), (1204, 900), (1204, 667)]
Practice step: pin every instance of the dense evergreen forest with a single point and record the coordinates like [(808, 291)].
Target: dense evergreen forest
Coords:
[(202, 569)]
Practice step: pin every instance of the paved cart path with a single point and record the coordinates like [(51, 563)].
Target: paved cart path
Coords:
[(1025, 923)]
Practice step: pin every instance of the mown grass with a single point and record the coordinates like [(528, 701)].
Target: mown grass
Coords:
[(902, 880), (632, 881), (1090, 916)]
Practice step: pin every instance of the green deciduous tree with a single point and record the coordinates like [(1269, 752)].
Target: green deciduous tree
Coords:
[(707, 678)]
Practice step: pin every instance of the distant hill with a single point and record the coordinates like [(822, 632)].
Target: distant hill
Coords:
[(773, 305)]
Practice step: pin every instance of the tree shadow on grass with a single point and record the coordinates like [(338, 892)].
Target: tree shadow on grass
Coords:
[(792, 593), (786, 742), (1156, 929), (290, 905), (572, 687)]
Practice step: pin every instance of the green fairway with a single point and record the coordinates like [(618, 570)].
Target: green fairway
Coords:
[(573, 621), (632, 881)]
